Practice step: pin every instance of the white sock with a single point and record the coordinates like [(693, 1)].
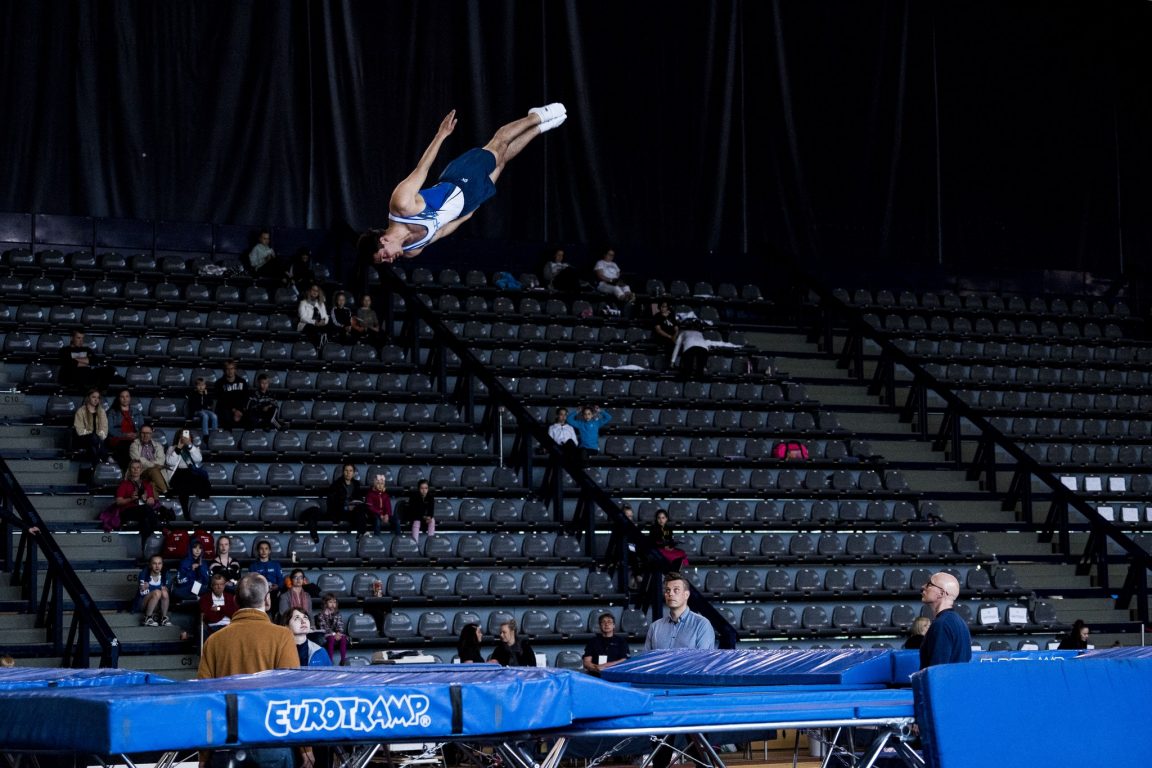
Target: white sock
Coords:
[(549, 111), (555, 122)]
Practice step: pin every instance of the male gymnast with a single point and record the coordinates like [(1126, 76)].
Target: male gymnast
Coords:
[(417, 217)]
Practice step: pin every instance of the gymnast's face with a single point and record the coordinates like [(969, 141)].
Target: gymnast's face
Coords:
[(391, 247)]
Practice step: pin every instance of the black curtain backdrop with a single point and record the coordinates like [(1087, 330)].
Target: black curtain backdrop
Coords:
[(846, 133)]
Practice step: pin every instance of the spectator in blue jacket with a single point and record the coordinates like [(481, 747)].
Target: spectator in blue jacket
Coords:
[(587, 425)]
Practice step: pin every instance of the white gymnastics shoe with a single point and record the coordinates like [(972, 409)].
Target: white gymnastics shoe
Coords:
[(549, 111), (555, 122)]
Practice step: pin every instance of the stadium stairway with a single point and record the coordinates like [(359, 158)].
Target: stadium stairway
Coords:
[(962, 501)]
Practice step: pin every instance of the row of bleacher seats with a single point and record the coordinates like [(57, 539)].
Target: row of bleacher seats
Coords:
[(1026, 375), (459, 548), (1033, 400), (743, 481), (1089, 430), (294, 478), (986, 326), (687, 514), (767, 512), (976, 350), (1089, 454), (300, 414), (470, 585), (1037, 305)]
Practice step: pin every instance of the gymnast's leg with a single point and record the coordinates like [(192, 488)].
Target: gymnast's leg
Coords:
[(511, 139)]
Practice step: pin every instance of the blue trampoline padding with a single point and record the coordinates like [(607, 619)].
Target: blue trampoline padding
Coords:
[(710, 709), (754, 667), (24, 678), (307, 705), (906, 663), (1114, 653), (1023, 713)]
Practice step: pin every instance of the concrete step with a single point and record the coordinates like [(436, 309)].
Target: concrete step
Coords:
[(938, 480), (15, 405), (173, 666), (58, 510), (16, 439), (97, 546)]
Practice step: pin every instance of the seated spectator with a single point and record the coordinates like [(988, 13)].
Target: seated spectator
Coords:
[(231, 396), (345, 502), (620, 551), (90, 430), (380, 505), (193, 576), (662, 537), (261, 410), (311, 654), (299, 274), (137, 504), (587, 425), (81, 368), (202, 405), (186, 478), (608, 274), (150, 454), (217, 605), (152, 599), (312, 318), (297, 595), (468, 649), (268, 568), (606, 649), (558, 274), (224, 564), (123, 425), (1077, 637), (262, 259), (346, 327), (369, 321), (916, 633), (420, 510), (563, 434), (664, 328), (331, 623), (512, 651)]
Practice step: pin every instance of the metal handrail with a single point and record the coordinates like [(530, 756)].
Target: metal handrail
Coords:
[(39, 559), (529, 436), (833, 312)]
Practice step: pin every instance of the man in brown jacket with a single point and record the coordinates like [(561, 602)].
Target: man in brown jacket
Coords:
[(251, 643)]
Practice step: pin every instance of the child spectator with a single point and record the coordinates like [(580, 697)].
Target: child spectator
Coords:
[(380, 503), (201, 405), (421, 509), (261, 409), (587, 425), (331, 623), (217, 605), (153, 596), (193, 576), (224, 563), (267, 567)]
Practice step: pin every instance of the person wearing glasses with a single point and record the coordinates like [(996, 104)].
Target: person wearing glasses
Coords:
[(947, 640)]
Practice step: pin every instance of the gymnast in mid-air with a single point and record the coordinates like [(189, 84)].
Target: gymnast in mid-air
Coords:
[(417, 217)]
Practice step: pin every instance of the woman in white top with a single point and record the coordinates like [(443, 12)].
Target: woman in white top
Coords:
[(608, 273), (312, 316)]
